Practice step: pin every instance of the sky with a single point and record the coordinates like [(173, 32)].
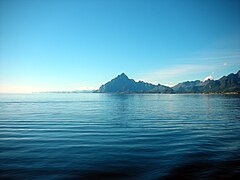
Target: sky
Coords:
[(55, 45)]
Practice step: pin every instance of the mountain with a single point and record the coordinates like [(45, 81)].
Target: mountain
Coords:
[(226, 84), (122, 84), (188, 87), (230, 83)]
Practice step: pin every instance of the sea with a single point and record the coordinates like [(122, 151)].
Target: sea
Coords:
[(119, 136)]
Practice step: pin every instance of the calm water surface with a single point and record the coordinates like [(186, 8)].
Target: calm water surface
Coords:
[(119, 136)]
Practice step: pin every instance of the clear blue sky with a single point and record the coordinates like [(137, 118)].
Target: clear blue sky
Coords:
[(74, 44)]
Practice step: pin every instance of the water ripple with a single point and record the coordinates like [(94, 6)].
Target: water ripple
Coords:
[(110, 136)]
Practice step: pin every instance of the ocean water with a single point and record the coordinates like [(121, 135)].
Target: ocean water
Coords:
[(119, 136)]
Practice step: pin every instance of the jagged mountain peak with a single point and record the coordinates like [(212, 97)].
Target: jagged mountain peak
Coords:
[(123, 75)]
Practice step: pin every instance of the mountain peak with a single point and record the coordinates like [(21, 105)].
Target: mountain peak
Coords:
[(122, 76), (122, 84)]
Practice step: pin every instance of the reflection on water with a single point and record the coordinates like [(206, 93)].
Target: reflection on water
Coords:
[(119, 136)]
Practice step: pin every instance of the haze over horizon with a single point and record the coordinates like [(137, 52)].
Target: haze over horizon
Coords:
[(74, 45)]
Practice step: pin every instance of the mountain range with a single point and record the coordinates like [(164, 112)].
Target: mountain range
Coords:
[(122, 84)]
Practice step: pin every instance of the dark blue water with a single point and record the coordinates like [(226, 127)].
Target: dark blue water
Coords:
[(111, 136)]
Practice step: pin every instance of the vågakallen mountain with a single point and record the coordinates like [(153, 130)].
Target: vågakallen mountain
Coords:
[(122, 84)]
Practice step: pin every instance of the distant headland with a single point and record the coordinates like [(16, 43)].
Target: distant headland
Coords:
[(122, 84)]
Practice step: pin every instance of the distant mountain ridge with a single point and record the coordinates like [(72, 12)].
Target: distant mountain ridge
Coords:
[(226, 84), (122, 84)]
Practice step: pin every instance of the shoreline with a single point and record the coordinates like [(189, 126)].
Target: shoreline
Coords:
[(164, 93), (133, 93), (223, 93)]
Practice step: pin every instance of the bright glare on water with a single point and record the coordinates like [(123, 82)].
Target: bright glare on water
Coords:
[(119, 136)]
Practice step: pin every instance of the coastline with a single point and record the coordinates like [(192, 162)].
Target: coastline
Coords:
[(166, 93), (205, 93)]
